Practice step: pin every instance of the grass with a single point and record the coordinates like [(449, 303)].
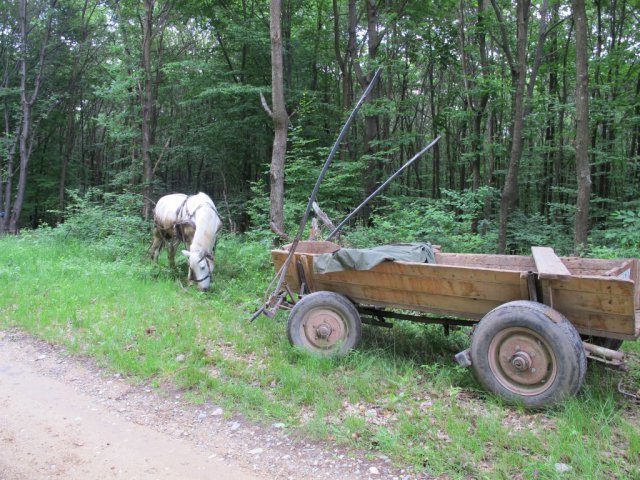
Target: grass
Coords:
[(400, 395)]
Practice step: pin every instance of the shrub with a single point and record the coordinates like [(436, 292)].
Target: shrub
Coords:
[(111, 221), (446, 222)]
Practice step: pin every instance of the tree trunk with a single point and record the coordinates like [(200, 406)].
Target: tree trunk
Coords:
[(280, 122), (518, 75), (371, 122), (435, 185), (148, 107), (344, 60), (582, 129), (5, 206), (153, 24), (27, 101)]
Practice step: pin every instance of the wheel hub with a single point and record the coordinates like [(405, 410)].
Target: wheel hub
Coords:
[(324, 328), (323, 331), (522, 361)]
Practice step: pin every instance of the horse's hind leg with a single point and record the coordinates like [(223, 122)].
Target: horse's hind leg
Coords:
[(172, 246), (156, 245)]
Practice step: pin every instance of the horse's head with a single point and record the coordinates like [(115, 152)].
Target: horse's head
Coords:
[(201, 266)]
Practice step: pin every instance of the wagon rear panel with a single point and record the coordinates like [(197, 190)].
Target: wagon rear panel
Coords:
[(598, 305)]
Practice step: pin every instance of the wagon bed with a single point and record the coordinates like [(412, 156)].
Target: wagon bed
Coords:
[(533, 312), (599, 297)]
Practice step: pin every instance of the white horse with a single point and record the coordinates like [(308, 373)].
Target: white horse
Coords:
[(193, 220)]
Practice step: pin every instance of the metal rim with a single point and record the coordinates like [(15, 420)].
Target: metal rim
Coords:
[(522, 361), (324, 328)]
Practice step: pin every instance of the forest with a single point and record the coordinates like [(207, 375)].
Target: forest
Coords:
[(109, 105), (537, 104)]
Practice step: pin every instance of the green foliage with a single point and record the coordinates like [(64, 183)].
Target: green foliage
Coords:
[(110, 221), (624, 232), (526, 231), (307, 153), (258, 211), (446, 222)]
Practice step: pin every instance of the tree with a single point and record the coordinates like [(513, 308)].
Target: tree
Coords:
[(477, 103), (371, 121), (79, 64), (157, 96), (149, 90), (523, 93), (28, 97), (582, 128), (280, 122)]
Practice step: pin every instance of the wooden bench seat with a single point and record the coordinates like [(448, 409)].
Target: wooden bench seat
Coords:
[(548, 264)]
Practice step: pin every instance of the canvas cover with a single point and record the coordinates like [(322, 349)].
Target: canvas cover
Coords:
[(367, 258)]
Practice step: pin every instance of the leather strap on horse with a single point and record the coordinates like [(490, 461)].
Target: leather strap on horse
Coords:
[(183, 206), (208, 275), (178, 226)]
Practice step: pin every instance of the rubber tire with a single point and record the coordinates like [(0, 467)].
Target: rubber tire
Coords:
[(338, 306), (559, 336)]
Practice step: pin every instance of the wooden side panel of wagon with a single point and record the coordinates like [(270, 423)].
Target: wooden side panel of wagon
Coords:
[(468, 292), (598, 305), (447, 290)]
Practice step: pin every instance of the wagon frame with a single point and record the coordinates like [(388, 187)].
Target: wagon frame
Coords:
[(531, 314)]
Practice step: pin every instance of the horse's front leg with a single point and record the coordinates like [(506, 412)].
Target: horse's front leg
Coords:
[(190, 273)]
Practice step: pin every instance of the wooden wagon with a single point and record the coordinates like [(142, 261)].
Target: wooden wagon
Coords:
[(531, 314)]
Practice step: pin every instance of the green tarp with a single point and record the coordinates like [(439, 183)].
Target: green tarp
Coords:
[(367, 258)]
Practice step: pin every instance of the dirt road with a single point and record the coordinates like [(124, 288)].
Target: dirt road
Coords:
[(62, 417)]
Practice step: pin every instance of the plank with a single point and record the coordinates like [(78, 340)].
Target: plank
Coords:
[(606, 324), (548, 263), (590, 266), (311, 246), (424, 302), (498, 262), (493, 291), (448, 272)]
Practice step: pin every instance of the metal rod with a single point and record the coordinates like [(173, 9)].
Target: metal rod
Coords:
[(382, 187), (325, 167), (458, 322)]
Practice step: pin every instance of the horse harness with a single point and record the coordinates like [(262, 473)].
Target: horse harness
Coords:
[(209, 270), (178, 228), (183, 209)]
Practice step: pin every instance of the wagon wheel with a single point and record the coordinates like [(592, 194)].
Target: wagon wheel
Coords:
[(324, 324), (528, 353)]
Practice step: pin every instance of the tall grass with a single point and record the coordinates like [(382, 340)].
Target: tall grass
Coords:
[(400, 395)]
